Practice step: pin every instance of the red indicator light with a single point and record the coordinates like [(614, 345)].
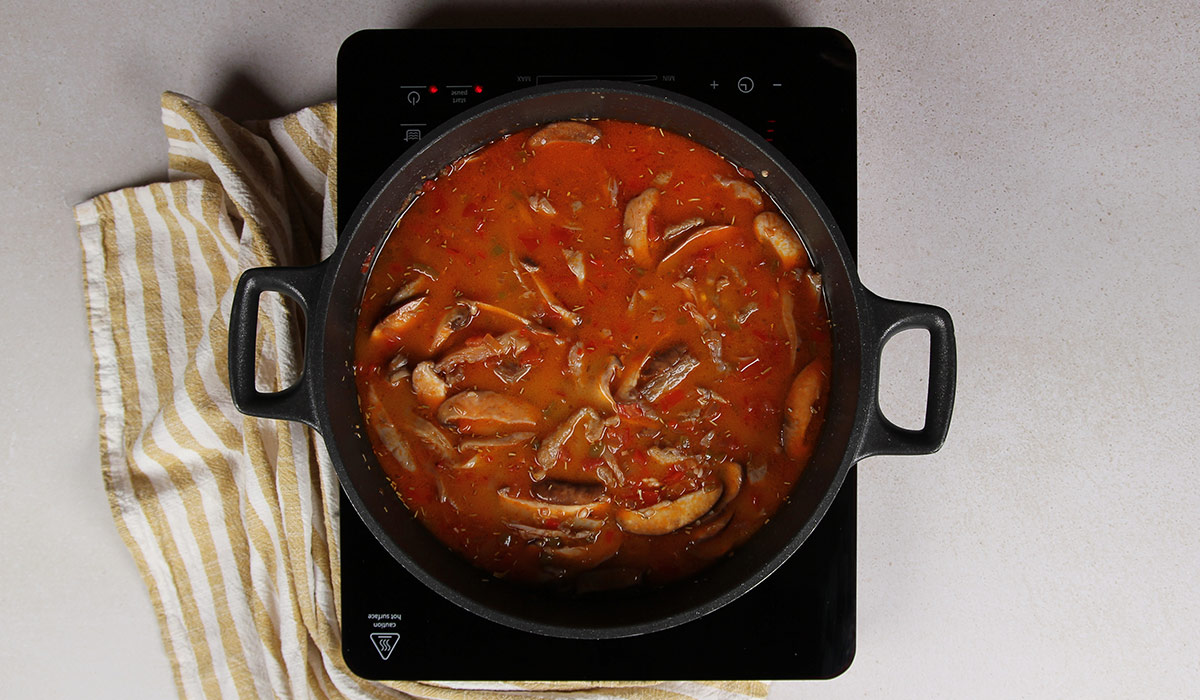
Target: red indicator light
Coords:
[(478, 89), (433, 88)]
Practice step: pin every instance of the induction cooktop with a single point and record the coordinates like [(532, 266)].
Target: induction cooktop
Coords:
[(795, 87)]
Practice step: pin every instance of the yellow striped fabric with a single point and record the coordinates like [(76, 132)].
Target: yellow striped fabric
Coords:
[(233, 520)]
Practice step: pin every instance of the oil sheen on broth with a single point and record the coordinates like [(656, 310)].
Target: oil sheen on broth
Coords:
[(592, 355)]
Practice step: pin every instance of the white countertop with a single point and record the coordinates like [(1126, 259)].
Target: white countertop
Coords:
[(1033, 168)]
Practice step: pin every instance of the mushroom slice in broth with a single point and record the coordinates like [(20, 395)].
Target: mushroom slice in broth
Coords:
[(488, 413), (668, 516), (563, 132)]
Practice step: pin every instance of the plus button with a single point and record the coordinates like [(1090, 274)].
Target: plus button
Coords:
[(713, 85)]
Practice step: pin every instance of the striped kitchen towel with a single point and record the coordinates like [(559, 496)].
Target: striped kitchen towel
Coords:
[(233, 520)]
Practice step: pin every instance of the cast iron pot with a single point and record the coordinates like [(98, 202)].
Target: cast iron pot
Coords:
[(326, 399)]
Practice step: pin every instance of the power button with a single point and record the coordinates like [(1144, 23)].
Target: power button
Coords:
[(745, 84)]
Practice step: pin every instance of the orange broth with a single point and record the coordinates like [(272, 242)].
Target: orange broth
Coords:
[(565, 403)]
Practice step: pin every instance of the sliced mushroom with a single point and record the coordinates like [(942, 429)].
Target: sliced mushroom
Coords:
[(395, 444), (746, 311), (712, 340), (483, 348), (531, 269), (417, 285), (666, 456), (731, 475), (392, 440), (800, 406), (610, 474), (510, 371), (788, 314), (704, 238), (588, 554), (814, 281), (710, 525), (741, 189), (693, 310), (637, 226), (456, 318), (774, 231), (807, 290), (682, 227), (428, 385), (546, 536), (551, 448), (485, 308), (399, 319), (668, 516), (687, 285), (563, 132), (433, 437), (575, 264), (553, 516), (397, 368), (709, 335), (708, 397), (539, 203), (488, 413), (496, 443), (630, 377), (567, 492), (469, 463), (666, 370), (604, 388), (575, 359)]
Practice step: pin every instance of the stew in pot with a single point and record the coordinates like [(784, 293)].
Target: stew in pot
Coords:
[(592, 355)]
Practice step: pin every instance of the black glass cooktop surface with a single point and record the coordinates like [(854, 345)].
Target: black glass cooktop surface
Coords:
[(794, 86)]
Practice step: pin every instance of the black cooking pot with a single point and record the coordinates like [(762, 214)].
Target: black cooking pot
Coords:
[(326, 398)]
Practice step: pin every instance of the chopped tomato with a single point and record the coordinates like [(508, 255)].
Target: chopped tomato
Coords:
[(672, 397), (530, 241)]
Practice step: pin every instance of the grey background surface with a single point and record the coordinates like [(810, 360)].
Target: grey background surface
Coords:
[(1032, 167)]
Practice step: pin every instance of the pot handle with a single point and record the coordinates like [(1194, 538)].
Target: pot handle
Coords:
[(301, 284), (887, 318)]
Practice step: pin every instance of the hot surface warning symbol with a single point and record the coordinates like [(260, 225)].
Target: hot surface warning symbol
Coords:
[(385, 643)]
